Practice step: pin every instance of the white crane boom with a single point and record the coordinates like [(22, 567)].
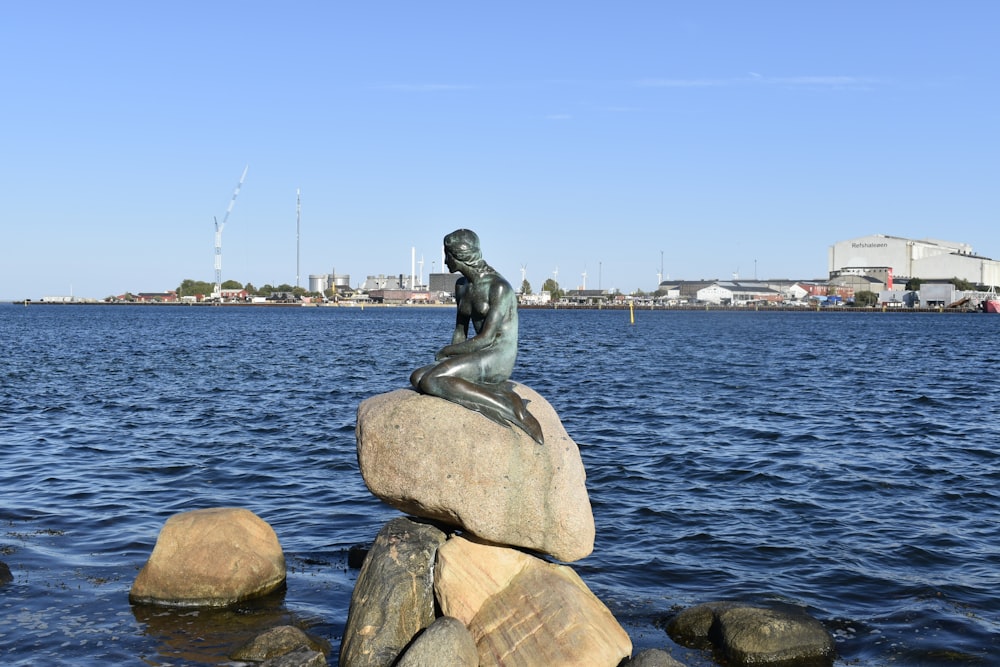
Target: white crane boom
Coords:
[(218, 235)]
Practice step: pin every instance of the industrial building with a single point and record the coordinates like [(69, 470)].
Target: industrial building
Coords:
[(738, 294), (893, 259), (321, 282)]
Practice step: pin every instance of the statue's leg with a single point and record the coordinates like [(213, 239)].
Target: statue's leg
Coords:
[(417, 375), (468, 394), (495, 401)]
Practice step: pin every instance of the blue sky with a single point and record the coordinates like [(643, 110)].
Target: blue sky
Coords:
[(574, 137)]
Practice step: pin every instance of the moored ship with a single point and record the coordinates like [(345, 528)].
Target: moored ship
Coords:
[(991, 304)]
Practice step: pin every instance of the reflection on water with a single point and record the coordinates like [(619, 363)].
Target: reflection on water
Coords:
[(209, 636)]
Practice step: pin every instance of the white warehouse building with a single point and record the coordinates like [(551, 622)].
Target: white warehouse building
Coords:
[(927, 259)]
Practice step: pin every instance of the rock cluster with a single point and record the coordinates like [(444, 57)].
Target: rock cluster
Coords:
[(472, 595), (462, 581)]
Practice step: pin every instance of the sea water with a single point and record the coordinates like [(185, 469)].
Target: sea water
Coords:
[(845, 463)]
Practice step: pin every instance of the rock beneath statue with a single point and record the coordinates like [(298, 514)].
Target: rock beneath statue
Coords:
[(524, 610), (751, 635), (273, 643), (211, 557), (433, 458), (445, 643), (393, 598)]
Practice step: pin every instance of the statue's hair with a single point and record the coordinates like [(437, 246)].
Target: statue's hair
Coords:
[(463, 244)]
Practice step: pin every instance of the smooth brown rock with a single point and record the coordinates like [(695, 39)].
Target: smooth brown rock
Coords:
[(467, 573), (432, 458), (393, 598), (211, 557), (525, 611), (548, 616)]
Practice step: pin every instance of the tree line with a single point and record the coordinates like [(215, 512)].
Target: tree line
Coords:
[(189, 287)]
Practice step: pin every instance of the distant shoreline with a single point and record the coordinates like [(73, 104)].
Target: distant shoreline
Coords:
[(360, 306)]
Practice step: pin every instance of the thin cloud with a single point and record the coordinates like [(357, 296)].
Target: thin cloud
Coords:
[(682, 83), (831, 81), (755, 79), (423, 87)]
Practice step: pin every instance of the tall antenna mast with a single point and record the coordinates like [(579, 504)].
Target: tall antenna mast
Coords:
[(218, 236), (298, 218)]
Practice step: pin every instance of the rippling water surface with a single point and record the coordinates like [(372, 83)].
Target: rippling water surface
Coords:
[(846, 463)]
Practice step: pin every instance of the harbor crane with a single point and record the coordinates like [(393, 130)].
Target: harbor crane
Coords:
[(298, 228), (218, 236)]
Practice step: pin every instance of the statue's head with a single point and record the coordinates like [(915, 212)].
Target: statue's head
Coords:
[(463, 245)]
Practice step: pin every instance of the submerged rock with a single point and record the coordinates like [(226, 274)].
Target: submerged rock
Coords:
[(751, 635), (211, 557), (300, 657), (273, 643), (435, 459), (652, 657)]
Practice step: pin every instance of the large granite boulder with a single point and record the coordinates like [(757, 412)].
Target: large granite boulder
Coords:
[(433, 458), (393, 598), (522, 610), (752, 635), (211, 557)]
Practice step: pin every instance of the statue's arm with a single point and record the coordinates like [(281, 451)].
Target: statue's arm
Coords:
[(502, 303), (461, 332)]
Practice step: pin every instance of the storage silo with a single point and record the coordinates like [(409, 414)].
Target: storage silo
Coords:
[(319, 282)]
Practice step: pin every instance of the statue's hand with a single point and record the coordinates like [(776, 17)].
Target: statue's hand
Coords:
[(442, 353)]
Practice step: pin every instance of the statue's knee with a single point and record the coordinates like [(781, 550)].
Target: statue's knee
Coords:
[(430, 384)]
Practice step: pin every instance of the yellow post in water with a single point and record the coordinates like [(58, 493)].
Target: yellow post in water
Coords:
[(631, 312)]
